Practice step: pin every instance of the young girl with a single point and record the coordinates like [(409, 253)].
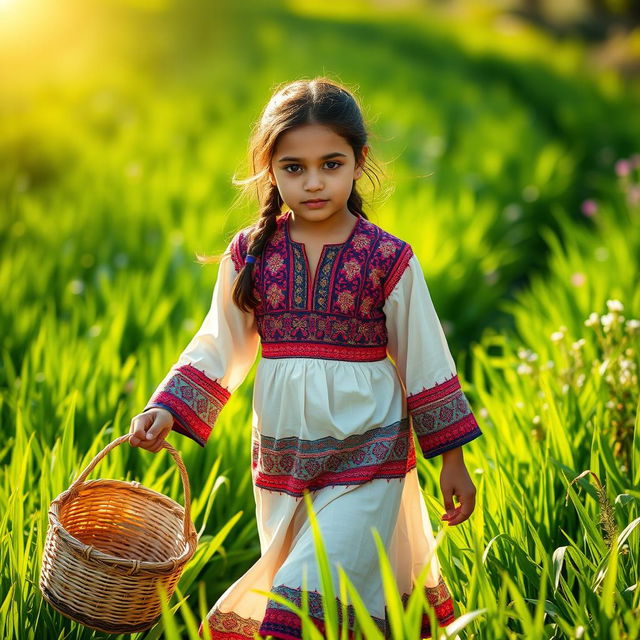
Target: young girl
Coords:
[(329, 296)]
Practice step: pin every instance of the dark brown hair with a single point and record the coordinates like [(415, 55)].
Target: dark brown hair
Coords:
[(316, 101)]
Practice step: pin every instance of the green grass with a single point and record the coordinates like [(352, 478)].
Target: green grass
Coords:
[(117, 169)]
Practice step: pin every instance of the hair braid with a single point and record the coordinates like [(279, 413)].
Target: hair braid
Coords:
[(263, 229)]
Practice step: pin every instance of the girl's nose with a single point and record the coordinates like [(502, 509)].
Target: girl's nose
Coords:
[(313, 181)]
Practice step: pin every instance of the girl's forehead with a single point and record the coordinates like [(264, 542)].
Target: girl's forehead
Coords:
[(310, 141)]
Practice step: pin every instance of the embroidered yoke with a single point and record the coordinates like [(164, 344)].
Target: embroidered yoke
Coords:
[(352, 364)]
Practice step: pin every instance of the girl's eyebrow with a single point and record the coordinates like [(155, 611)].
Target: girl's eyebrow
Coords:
[(335, 154)]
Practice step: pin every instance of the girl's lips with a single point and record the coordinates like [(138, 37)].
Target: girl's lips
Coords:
[(315, 204)]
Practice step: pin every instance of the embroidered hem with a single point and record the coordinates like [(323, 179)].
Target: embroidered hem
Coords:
[(323, 351), (281, 622), (194, 399), (442, 417), (291, 464)]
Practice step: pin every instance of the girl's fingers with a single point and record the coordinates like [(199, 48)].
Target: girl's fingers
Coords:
[(156, 446), (139, 426), (152, 445)]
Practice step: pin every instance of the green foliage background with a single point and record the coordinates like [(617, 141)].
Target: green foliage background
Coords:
[(121, 127)]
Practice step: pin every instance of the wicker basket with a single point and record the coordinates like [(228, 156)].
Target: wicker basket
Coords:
[(109, 544)]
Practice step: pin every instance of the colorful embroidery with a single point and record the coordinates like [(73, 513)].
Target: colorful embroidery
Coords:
[(292, 464), (280, 619), (299, 300), (323, 277), (285, 623), (342, 310), (275, 263), (306, 333), (440, 599), (351, 269), (274, 295), (442, 417), (194, 399), (323, 351), (344, 301), (398, 269), (238, 247), (229, 626)]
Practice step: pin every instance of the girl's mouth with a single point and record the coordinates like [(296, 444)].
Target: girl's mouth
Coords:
[(314, 204)]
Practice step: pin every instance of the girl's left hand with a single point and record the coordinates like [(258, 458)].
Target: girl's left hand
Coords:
[(455, 480)]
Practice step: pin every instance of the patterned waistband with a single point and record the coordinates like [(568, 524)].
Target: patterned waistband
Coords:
[(324, 351)]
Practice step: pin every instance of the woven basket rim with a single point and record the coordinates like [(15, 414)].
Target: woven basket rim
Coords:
[(90, 552)]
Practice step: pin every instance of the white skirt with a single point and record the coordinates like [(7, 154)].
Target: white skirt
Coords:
[(340, 431)]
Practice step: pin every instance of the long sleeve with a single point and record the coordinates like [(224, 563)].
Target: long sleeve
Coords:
[(441, 416), (214, 363)]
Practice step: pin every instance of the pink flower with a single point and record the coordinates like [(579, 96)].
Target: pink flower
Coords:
[(578, 279), (623, 168), (589, 208), (633, 195)]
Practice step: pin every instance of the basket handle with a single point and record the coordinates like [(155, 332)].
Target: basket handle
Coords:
[(165, 445)]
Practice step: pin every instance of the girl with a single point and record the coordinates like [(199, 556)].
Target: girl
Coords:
[(329, 296)]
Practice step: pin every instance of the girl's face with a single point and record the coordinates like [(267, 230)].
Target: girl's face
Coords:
[(312, 162)]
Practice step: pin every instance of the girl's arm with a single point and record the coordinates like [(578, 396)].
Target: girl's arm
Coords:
[(439, 410), (440, 413), (213, 364)]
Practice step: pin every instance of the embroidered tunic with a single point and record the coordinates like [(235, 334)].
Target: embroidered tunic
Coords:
[(352, 364)]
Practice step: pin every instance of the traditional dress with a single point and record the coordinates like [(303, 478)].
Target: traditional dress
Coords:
[(332, 414)]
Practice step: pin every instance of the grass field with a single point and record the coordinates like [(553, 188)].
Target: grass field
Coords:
[(513, 168)]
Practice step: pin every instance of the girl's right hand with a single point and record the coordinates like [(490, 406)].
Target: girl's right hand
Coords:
[(150, 428)]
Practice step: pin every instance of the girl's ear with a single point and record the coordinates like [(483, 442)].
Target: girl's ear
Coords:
[(359, 167)]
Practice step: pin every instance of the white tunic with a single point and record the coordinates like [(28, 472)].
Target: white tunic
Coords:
[(353, 364)]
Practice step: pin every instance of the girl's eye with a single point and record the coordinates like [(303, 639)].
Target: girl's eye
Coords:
[(338, 164)]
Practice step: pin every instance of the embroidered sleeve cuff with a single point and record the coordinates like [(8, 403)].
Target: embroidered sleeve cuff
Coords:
[(442, 418), (194, 399)]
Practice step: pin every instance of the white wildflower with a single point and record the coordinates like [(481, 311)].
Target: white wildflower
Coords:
[(592, 320), (615, 305), (556, 336), (524, 369), (607, 319), (536, 420), (578, 344)]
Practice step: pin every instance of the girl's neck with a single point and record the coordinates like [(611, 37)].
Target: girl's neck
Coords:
[(334, 228)]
